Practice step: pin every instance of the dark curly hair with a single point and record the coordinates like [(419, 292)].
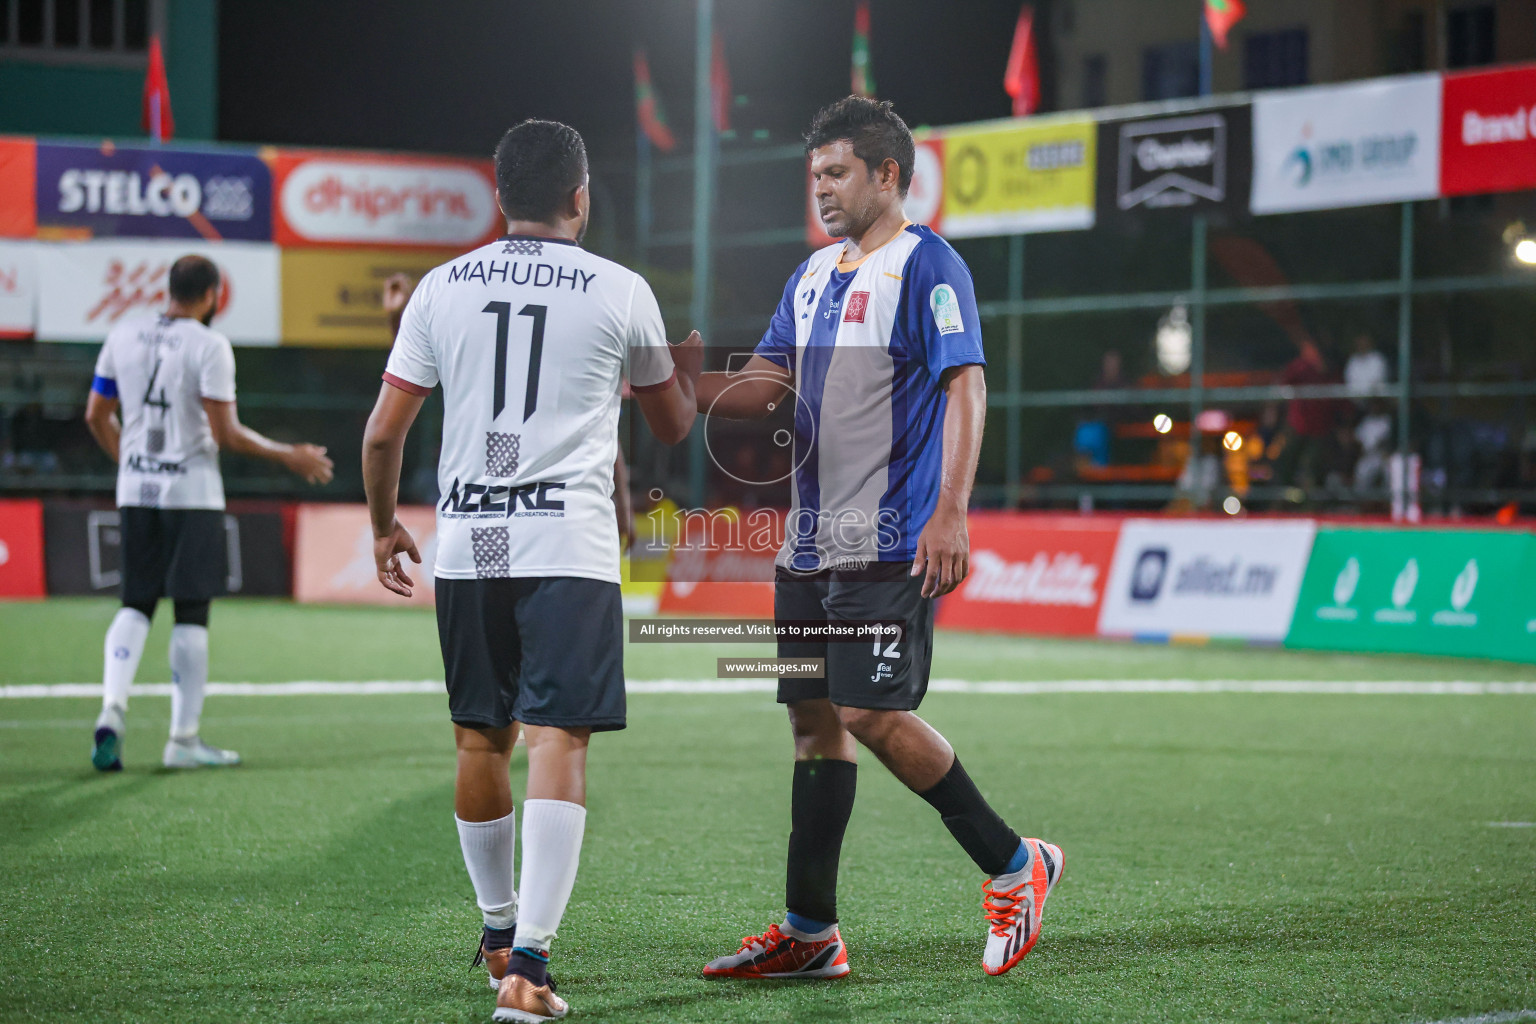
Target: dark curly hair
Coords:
[(538, 163), (878, 134)]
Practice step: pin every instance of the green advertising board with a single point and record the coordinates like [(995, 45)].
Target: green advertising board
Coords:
[(1420, 591)]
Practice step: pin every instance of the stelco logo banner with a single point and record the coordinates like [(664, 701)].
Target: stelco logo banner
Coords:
[(1347, 145), (1488, 142), (1205, 578), (1464, 592), (348, 199), (1197, 161), (130, 191), (85, 288)]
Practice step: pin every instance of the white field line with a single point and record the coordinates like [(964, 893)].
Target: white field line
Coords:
[(386, 686), (1507, 1017)]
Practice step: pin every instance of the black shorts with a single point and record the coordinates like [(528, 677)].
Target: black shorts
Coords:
[(180, 553), (890, 674), (540, 650)]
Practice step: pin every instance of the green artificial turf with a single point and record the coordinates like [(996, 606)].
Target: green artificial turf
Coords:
[(1229, 856)]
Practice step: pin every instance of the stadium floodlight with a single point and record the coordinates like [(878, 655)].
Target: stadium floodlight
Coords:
[(1175, 341), (1525, 251), (1162, 423), (1232, 506), (1232, 441)]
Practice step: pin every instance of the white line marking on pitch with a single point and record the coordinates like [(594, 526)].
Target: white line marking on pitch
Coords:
[(386, 686), (1512, 824), (1507, 1017)]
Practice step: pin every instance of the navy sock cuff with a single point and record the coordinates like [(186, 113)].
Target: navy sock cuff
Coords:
[(499, 938)]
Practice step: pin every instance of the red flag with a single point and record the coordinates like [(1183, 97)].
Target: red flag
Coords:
[(648, 107), (720, 87), (158, 122), (1022, 79), (863, 79), (1221, 15)]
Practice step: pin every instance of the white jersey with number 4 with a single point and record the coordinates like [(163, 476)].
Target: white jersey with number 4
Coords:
[(160, 370), (531, 339)]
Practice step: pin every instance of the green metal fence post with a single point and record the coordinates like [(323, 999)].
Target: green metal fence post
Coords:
[(1196, 331), (703, 207), (1014, 413), (1405, 328)]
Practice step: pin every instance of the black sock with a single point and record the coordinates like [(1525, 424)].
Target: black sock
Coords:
[(820, 805), (498, 938), (532, 964), (972, 821)]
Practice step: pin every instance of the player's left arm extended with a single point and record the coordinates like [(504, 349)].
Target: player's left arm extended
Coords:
[(944, 547), (101, 420), (383, 444)]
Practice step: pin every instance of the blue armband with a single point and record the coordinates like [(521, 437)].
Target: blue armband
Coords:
[(106, 387)]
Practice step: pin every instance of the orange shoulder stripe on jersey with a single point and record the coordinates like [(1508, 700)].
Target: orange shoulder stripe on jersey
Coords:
[(405, 385)]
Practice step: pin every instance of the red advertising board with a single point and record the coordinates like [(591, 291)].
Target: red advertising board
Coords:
[(1033, 574), (723, 564), (21, 549), (335, 198), (333, 557), (1488, 131), (18, 185)]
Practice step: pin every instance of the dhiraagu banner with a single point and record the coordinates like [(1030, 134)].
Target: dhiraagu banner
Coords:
[(1012, 177), (1421, 591)]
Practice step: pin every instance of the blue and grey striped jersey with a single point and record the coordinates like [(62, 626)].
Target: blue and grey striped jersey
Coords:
[(868, 343)]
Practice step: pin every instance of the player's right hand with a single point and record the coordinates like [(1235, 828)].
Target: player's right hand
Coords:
[(386, 559), (309, 462), (688, 357)]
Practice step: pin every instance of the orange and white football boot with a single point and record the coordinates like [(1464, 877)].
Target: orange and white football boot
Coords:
[(1014, 904), (520, 1001), (776, 955)]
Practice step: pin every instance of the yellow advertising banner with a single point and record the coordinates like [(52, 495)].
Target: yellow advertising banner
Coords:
[(1017, 177), (335, 297)]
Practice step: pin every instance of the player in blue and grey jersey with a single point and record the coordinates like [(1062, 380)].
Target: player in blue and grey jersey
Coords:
[(878, 340)]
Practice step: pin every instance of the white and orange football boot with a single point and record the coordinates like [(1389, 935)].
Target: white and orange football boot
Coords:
[(776, 955), (1014, 905), (520, 1001)]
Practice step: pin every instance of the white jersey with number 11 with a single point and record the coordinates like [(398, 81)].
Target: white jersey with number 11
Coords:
[(530, 339)]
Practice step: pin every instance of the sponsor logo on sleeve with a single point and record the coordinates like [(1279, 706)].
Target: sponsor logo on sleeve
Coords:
[(946, 309)]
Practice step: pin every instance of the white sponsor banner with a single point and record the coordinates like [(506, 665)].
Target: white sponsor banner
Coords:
[(1347, 145), (1206, 578), (18, 288), (387, 203), (84, 288)]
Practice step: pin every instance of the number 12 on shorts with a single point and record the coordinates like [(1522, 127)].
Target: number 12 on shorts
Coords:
[(891, 650)]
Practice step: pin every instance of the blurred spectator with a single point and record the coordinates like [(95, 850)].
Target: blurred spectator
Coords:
[(1366, 369), (1309, 423), (1373, 435), (1091, 439)]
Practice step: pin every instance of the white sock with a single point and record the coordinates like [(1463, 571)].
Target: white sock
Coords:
[(489, 847), (124, 648), (552, 831), (189, 671)]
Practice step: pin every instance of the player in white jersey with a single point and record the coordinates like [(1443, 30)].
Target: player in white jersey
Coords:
[(878, 336), (530, 338), (173, 379)]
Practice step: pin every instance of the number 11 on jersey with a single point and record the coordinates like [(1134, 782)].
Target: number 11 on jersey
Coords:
[(503, 311)]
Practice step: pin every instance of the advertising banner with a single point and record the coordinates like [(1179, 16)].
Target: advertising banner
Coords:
[(1463, 592), (1199, 161), (18, 289), (326, 198), (1002, 178), (1033, 574), (333, 557), (86, 287), (160, 192), (1206, 578), (336, 296), (85, 553), (1488, 134), (18, 177), (21, 549), (1346, 145), (925, 198)]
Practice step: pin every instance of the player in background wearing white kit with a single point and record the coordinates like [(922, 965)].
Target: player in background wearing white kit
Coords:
[(174, 380), (531, 337)]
